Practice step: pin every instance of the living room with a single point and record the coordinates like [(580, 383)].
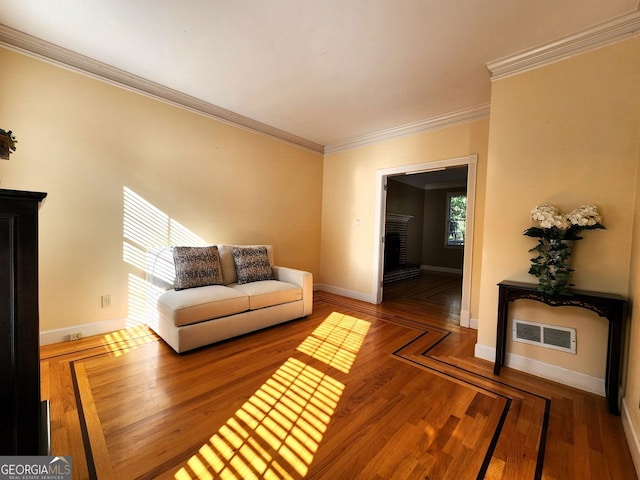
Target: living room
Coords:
[(566, 132)]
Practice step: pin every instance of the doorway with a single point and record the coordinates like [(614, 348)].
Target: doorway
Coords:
[(438, 170)]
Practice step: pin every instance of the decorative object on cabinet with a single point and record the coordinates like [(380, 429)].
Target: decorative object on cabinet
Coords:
[(7, 143), (556, 235)]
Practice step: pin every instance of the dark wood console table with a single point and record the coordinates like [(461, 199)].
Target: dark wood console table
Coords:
[(607, 305)]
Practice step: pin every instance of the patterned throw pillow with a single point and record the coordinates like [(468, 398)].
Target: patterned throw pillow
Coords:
[(252, 264), (197, 267)]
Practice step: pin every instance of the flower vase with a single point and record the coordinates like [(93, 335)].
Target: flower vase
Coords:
[(552, 265)]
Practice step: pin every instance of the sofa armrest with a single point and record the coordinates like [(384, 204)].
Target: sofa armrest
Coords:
[(302, 279)]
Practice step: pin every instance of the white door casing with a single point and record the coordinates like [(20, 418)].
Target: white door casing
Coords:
[(382, 174)]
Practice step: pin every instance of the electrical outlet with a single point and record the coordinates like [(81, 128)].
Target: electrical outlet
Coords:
[(75, 336), (105, 300)]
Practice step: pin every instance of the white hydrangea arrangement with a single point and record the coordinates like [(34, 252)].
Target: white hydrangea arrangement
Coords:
[(586, 216), (556, 233), (554, 224)]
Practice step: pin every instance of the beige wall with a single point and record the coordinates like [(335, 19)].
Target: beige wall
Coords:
[(565, 134), (83, 141), (631, 370), (347, 247)]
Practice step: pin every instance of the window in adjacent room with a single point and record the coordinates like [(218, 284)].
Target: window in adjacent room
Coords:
[(456, 219)]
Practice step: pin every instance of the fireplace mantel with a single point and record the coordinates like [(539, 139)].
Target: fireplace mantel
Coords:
[(398, 217)]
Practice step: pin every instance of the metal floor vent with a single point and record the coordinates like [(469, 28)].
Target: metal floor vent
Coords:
[(548, 336)]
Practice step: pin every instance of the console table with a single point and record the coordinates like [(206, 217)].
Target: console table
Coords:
[(607, 305)]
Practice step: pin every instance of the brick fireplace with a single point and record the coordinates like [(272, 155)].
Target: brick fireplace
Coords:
[(396, 267)]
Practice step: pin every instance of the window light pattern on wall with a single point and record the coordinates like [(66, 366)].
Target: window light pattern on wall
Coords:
[(276, 433), (145, 227)]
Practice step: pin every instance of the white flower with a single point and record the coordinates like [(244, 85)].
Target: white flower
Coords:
[(585, 216), (549, 216), (561, 222), (543, 211)]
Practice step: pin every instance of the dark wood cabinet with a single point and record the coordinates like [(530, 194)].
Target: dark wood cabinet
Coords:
[(21, 421)]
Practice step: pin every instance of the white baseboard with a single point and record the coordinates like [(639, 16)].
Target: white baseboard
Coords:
[(484, 352), (465, 318), (554, 373), (435, 268), (48, 337), (631, 434), (473, 323), (344, 292)]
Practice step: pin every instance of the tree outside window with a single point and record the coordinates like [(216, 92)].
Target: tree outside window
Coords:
[(456, 218)]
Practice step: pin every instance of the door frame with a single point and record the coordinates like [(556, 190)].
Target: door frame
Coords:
[(470, 161)]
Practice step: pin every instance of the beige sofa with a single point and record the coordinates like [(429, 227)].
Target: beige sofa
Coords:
[(193, 317)]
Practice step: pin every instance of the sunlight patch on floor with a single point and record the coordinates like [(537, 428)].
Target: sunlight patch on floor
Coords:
[(336, 341), (123, 341), (277, 432)]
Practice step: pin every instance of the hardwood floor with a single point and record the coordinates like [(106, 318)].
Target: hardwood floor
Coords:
[(432, 294), (354, 391)]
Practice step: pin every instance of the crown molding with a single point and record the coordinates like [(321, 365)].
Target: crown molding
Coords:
[(601, 35), (460, 116), (33, 46), (590, 39)]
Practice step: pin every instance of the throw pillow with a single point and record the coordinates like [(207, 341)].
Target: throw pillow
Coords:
[(197, 267), (252, 264)]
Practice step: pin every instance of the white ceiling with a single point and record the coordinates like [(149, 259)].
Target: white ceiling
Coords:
[(324, 70)]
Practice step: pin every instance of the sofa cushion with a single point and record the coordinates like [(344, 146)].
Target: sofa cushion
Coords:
[(252, 264), (267, 293), (228, 265), (197, 267), (201, 303)]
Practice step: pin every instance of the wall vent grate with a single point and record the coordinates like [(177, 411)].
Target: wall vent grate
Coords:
[(548, 336)]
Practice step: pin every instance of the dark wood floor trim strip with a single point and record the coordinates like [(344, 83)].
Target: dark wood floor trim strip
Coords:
[(425, 329), (91, 467), (545, 423), (505, 411), (116, 346), (494, 442), (498, 431), (543, 440)]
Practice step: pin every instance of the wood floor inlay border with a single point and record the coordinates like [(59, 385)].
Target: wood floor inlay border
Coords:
[(98, 451), (415, 404), (83, 425), (426, 360)]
